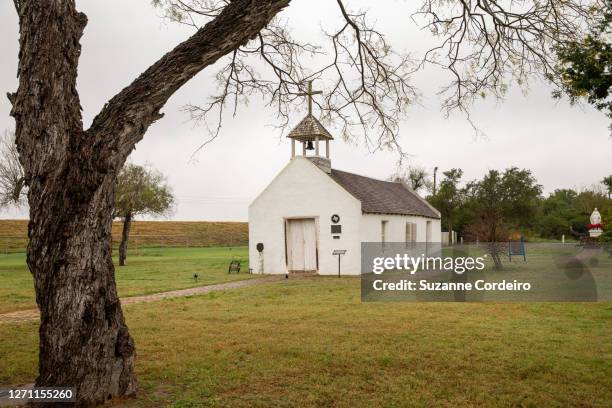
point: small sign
(339, 252)
(260, 247)
(336, 229)
(335, 218)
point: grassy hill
(13, 234)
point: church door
(301, 245)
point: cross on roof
(309, 93)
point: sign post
(339, 252)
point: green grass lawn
(312, 343)
(148, 270)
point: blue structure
(517, 248)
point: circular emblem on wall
(259, 247)
(335, 218)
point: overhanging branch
(126, 117)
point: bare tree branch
(485, 45)
(367, 84)
(278, 56)
(126, 117)
(415, 177)
(488, 44)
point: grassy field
(148, 270)
(13, 234)
(312, 343)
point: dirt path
(32, 314)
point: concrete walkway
(32, 314)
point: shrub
(606, 236)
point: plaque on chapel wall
(335, 218)
(336, 229)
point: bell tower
(310, 132)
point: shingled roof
(308, 129)
(382, 197)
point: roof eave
(424, 201)
(310, 137)
(401, 214)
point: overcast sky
(564, 146)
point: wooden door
(295, 245)
(310, 245)
(301, 245)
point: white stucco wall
(302, 190)
(370, 230)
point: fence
(10, 244)
(446, 237)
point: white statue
(595, 219)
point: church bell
(309, 145)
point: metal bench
(234, 267)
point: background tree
(585, 66)
(501, 202)
(139, 191)
(12, 180)
(567, 211)
(70, 171)
(589, 199)
(607, 181)
(449, 198)
(415, 177)
(560, 216)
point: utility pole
(434, 186)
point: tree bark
(125, 234)
(84, 341)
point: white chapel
(311, 209)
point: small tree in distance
(139, 191)
(415, 177)
(13, 190)
(607, 181)
(449, 198)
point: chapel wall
(303, 190)
(371, 228)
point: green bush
(606, 236)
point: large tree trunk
(84, 341)
(125, 235)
